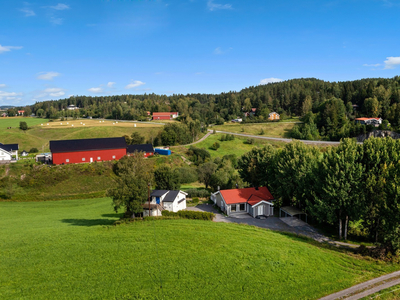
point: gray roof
(158, 193)
(171, 196)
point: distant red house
(147, 149)
(21, 112)
(87, 150)
(165, 115)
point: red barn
(147, 149)
(87, 150)
(164, 115)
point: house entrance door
(91, 159)
(261, 210)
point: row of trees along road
(351, 182)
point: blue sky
(52, 49)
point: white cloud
(215, 6)
(9, 96)
(269, 80)
(134, 84)
(56, 21)
(96, 90)
(372, 65)
(392, 62)
(48, 75)
(8, 48)
(2, 85)
(110, 84)
(55, 92)
(60, 6)
(219, 50)
(28, 12)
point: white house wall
(4, 155)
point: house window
(83, 159)
(99, 158)
(233, 207)
(113, 157)
(242, 207)
(67, 160)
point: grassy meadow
(392, 293)
(68, 250)
(39, 135)
(236, 146)
(271, 129)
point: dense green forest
(327, 108)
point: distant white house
(5, 155)
(165, 200)
(72, 107)
(9, 151)
(369, 121)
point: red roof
(164, 113)
(365, 119)
(250, 195)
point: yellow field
(96, 123)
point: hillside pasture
(14, 121)
(271, 129)
(38, 135)
(238, 146)
(69, 250)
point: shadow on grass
(115, 215)
(89, 222)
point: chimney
(256, 188)
(237, 186)
(218, 188)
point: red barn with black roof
(87, 150)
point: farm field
(271, 129)
(14, 121)
(392, 293)
(40, 135)
(236, 146)
(68, 250)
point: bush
(34, 150)
(187, 174)
(23, 126)
(192, 215)
(249, 141)
(215, 146)
(195, 200)
(220, 121)
(198, 193)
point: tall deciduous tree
(166, 179)
(338, 185)
(130, 188)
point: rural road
(367, 288)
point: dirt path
(367, 288)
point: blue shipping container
(162, 151)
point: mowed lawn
(38, 135)
(271, 129)
(69, 250)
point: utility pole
(148, 189)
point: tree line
(351, 182)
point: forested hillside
(328, 106)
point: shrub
(34, 150)
(195, 200)
(23, 126)
(215, 146)
(192, 215)
(249, 141)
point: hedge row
(193, 215)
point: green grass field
(272, 129)
(68, 250)
(14, 122)
(236, 146)
(39, 136)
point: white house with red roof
(369, 121)
(254, 201)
